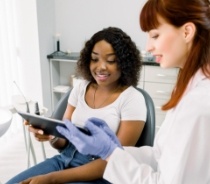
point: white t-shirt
(130, 105)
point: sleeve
(183, 153)
(76, 92)
(134, 106)
(130, 166)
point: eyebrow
(110, 54)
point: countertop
(75, 56)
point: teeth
(102, 75)
(157, 57)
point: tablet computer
(48, 125)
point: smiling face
(103, 65)
(169, 44)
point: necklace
(108, 97)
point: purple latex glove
(103, 125)
(101, 142)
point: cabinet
(159, 83)
(62, 68)
(61, 71)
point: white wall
(78, 20)
(28, 49)
(35, 27)
(46, 30)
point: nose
(149, 45)
(102, 65)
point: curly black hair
(128, 56)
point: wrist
(109, 151)
(54, 140)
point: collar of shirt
(199, 76)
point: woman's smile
(102, 76)
(158, 58)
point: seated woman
(110, 64)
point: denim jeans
(68, 158)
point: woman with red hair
(178, 36)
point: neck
(110, 92)
(107, 88)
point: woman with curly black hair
(110, 65)
(127, 56)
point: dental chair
(148, 134)
(60, 107)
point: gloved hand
(101, 142)
(103, 125)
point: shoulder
(200, 95)
(199, 91)
(132, 93)
(131, 97)
(132, 105)
(197, 101)
(80, 86)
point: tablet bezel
(48, 125)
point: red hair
(177, 13)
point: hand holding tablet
(48, 125)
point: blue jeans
(68, 158)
